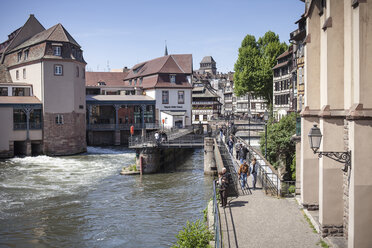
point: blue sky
(123, 33)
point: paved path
(256, 220)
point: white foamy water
(23, 180)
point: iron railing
(217, 222)
(267, 175)
(137, 126)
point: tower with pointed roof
(50, 64)
(208, 65)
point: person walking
(253, 172)
(242, 153)
(230, 144)
(223, 184)
(243, 174)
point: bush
(194, 235)
(292, 189)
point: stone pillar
(360, 191)
(209, 161)
(117, 137)
(309, 167)
(331, 179)
(117, 107)
(28, 148)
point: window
(173, 79)
(140, 81)
(3, 91)
(19, 56)
(135, 81)
(130, 82)
(17, 75)
(196, 117)
(21, 91)
(165, 97)
(204, 117)
(101, 83)
(181, 97)
(59, 119)
(83, 72)
(26, 55)
(57, 50)
(77, 71)
(58, 70)
(24, 73)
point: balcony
(23, 126)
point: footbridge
(180, 138)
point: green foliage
(205, 214)
(309, 221)
(292, 189)
(323, 244)
(253, 69)
(194, 235)
(293, 168)
(133, 167)
(279, 143)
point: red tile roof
(280, 65)
(177, 63)
(110, 78)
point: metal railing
(217, 222)
(149, 138)
(137, 126)
(267, 175)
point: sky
(115, 34)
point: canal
(82, 201)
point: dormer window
(19, 56)
(26, 55)
(101, 83)
(173, 79)
(57, 50)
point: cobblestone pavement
(256, 220)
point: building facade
(338, 99)
(166, 79)
(205, 103)
(51, 64)
(283, 90)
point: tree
(280, 147)
(253, 69)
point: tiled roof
(178, 63)
(286, 53)
(110, 78)
(56, 33)
(207, 59)
(19, 100)
(102, 98)
(4, 74)
(280, 65)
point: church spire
(166, 49)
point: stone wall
(8, 153)
(67, 138)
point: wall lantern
(315, 138)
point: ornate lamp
(315, 138)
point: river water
(82, 201)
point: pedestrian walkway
(256, 220)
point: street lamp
(266, 118)
(315, 138)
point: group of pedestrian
(160, 137)
(245, 171)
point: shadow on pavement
(238, 203)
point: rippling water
(82, 201)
